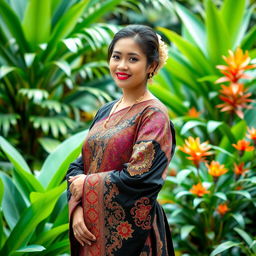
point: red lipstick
(122, 75)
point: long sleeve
(75, 168)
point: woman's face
(128, 64)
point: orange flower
(252, 133)
(235, 99)
(243, 145)
(199, 190)
(237, 64)
(193, 112)
(239, 169)
(216, 169)
(197, 151)
(222, 209)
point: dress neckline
(130, 106)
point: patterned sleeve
(119, 206)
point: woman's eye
(133, 59)
(115, 57)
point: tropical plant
(34, 212)
(50, 51)
(209, 200)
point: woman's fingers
(83, 235)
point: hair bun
(163, 53)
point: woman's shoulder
(154, 105)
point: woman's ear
(152, 67)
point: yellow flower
(237, 62)
(199, 190)
(222, 209)
(243, 145)
(196, 150)
(216, 169)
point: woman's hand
(81, 232)
(76, 187)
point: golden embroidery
(142, 158)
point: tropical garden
(53, 78)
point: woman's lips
(122, 76)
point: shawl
(125, 167)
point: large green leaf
(13, 204)
(31, 217)
(194, 26)
(98, 11)
(12, 22)
(191, 52)
(47, 237)
(232, 15)
(218, 38)
(223, 247)
(20, 165)
(65, 25)
(37, 22)
(1, 217)
(55, 166)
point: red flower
(235, 99)
(196, 150)
(125, 230)
(239, 169)
(237, 64)
(199, 190)
(222, 209)
(243, 145)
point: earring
(150, 76)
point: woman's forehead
(127, 46)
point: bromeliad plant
(33, 209)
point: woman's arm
(75, 168)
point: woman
(125, 157)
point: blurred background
(54, 77)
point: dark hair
(144, 36)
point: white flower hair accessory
(163, 53)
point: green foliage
(49, 51)
(34, 213)
(186, 82)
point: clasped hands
(76, 186)
(81, 232)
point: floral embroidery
(125, 230)
(116, 229)
(141, 213)
(142, 158)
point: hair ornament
(163, 53)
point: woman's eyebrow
(129, 53)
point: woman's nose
(122, 64)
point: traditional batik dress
(125, 166)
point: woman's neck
(130, 96)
